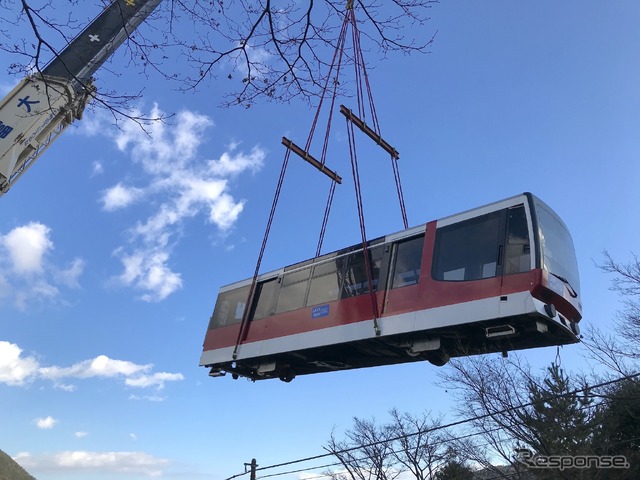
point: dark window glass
(408, 256)
(355, 276)
(293, 290)
(229, 307)
(517, 255)
(296, 277)
(325, 283)
(468, 250)
(559, 255)
(266, 292)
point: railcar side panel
(470, 283)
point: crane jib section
(89, 50)
(41, 106)
(32, 115)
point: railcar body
(493, 279)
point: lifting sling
(320, 164)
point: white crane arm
(36, 111)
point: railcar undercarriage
(435, 346)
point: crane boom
(44, 104)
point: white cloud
(84, 462)
(155, 380)
(15, 369)
(97, 168)
(101, 366)
(150, 398)
(134, 375)
(148, 271)
(81, 434)
(71, 275)
(94, 122)
(229, 164)
(119, 196)
(27, 247)
(29, 275)
(163, 148)
(259, 58)
(224, 212)
(65, 387)
(46, 423)
(179, 185)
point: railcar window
(266, 292)
(355, 276)
(229, 307)
(559, 255)
(518, 250)
(467, 250)
(408, 257)
(293, 290)
(325, 283)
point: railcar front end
(496, 278)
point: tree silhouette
(619, 350)
(276, 50)
(514, 409)
(619, 432)
(407, 444)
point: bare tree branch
(266, 49)
(620, 351)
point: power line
(441, 427)
(335, 464)
(391, 452)
(449, 440)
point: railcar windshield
(558, 253)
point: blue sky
(113, 246)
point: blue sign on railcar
(320, 311)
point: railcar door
(517, 262)
(517, 250)
(401, 292)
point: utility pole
(253, 465)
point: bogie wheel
(439, 359)
(287, 377)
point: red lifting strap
(359, 121)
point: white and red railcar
(493, 279)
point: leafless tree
(277, 50)
(418, 445)
(365, 454)
(620, 350)
(483, 386)
(511, 408)
(413, 445)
